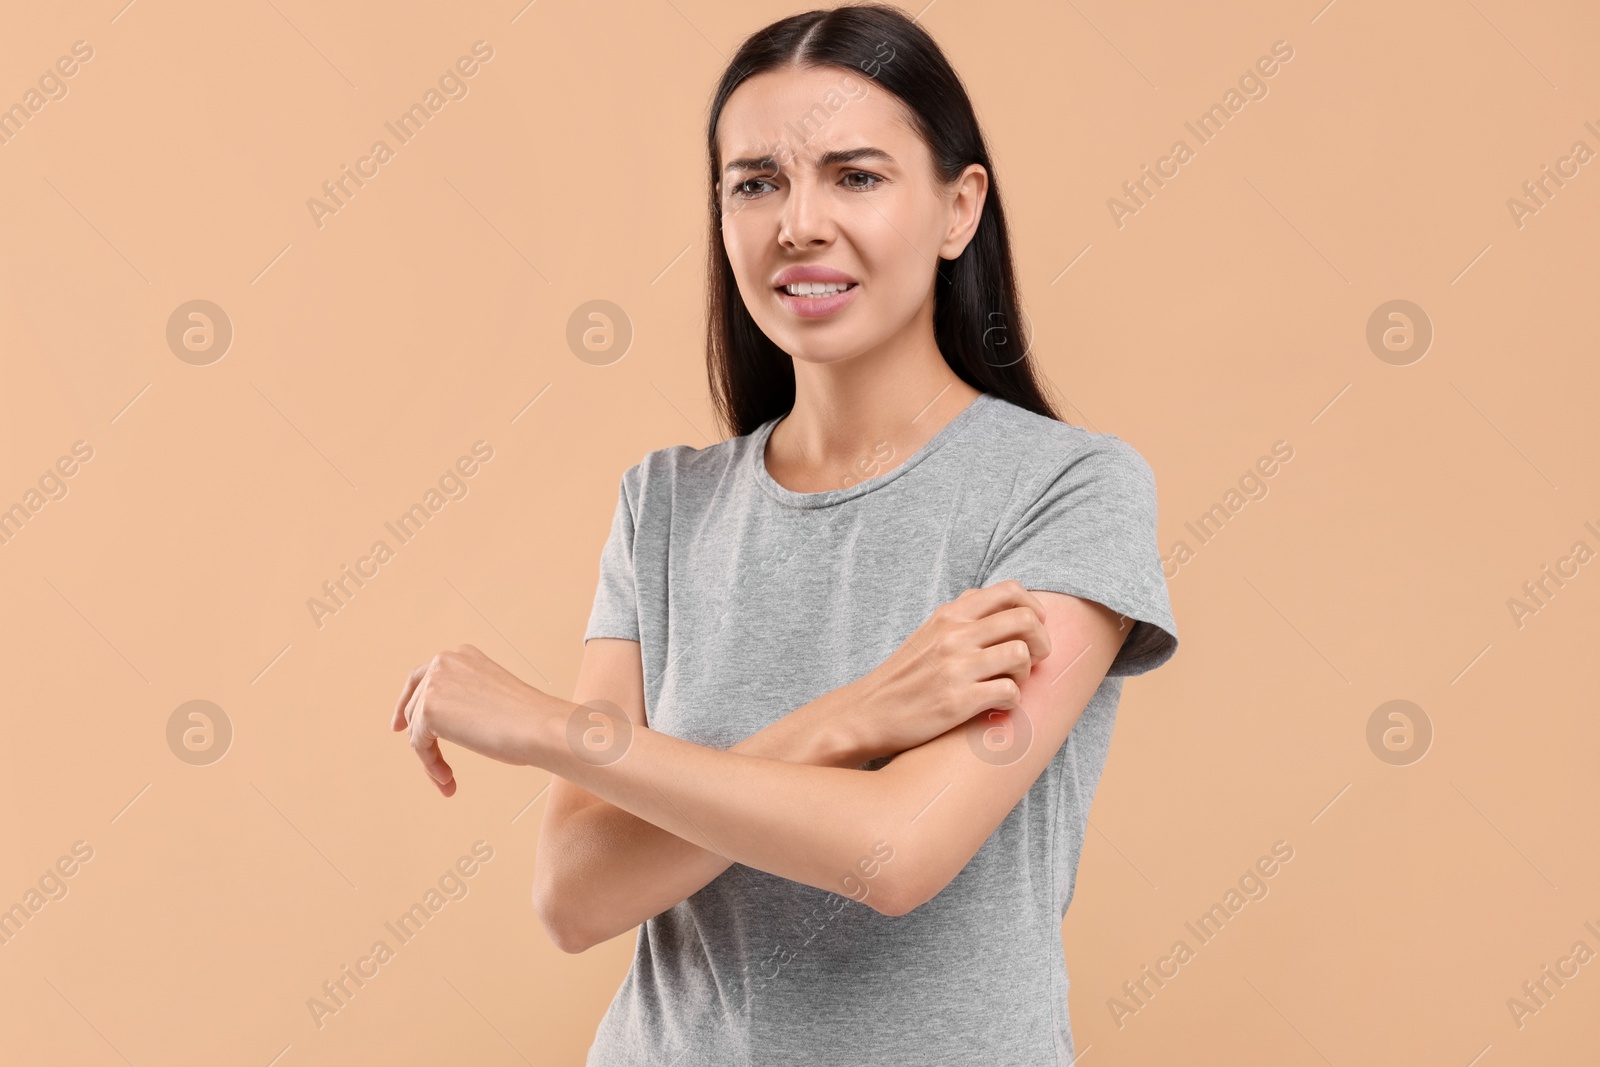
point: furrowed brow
(828, 159)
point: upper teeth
(816, 288)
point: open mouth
(815, 290)
(815, 300)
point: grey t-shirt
(750, 600)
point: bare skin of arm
(928, 811)
(602, 870)
(608, 869)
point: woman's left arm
(891, 838)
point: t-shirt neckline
(829, 497)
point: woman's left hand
(464, 697)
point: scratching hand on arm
(617, 869)
(971, 655)
(601, 870)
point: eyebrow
(828, 159)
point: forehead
(798, 115)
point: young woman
(850, 675)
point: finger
(434, 764)
(1025, 598)
(1002, 661)
(1009, 593)
(997, 693)
(400, 715)
(1014, 624)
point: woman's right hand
(972, 654)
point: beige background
(431, 312)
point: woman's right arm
(601, 871)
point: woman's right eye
(741, 191)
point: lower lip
(815, 307)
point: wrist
(837, 733)
(542, 729)
(816, 733)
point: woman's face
(820, 168)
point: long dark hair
(976, 318)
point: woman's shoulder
(682, 468)
(1045, 446)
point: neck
(859, 418)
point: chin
(811, 351)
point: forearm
(611, 870)
(810, 824)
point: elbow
(567, 941)
(900, 896)
(903, 885)
(884, 905)
(890, 884)
(563, 933)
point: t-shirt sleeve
(1090, 532)
(616, 597)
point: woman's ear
(971, 189)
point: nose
(806, 220)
